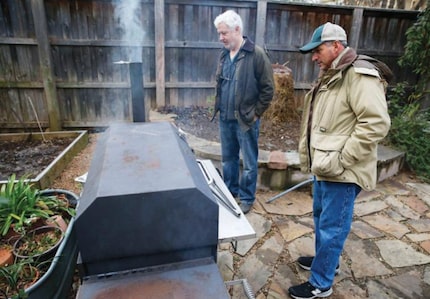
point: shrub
(410, 132)
(410, 124)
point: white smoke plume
(127, 12)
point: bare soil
(29, 157)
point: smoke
(128, 14)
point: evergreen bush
(410, 123)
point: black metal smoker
(147, 222)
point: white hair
(231, 19)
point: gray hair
(231, 19)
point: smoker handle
(216, 189)
(208, 178)
(217, 192)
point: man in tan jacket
(345, 116)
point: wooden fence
(58, 57)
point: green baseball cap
(324, 33)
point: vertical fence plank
(172, 61)
(159, 53)
(357, 20)
(261, 22)
(38, 9)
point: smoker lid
(145, 201)
(141, 158)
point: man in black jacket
(244, 90)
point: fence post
(357, 21)
(43, 45)
(261, 22)
(160, 80)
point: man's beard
(231, 46)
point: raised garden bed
(46, 155)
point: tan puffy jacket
(349, 118)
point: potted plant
(58, 271)
(39, 244)
(21, 206)
(16, 277)
(62, 203)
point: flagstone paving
(387, 254)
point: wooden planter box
(45, 178)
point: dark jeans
(233, 142)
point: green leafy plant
(410, 133)
(56, 203)
(417, 48)
(410, 128)
(398, 98)
(21, 205)
(15, 278)
(18, 205)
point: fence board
(7, 69)
(160, 53)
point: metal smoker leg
(246, 287)
(290, 189)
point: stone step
(390, 162)
(280, 170)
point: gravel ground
(79, 165)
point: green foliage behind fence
(410, 130)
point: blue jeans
(233, 141)
(333, 207)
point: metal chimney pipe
(137, 93)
